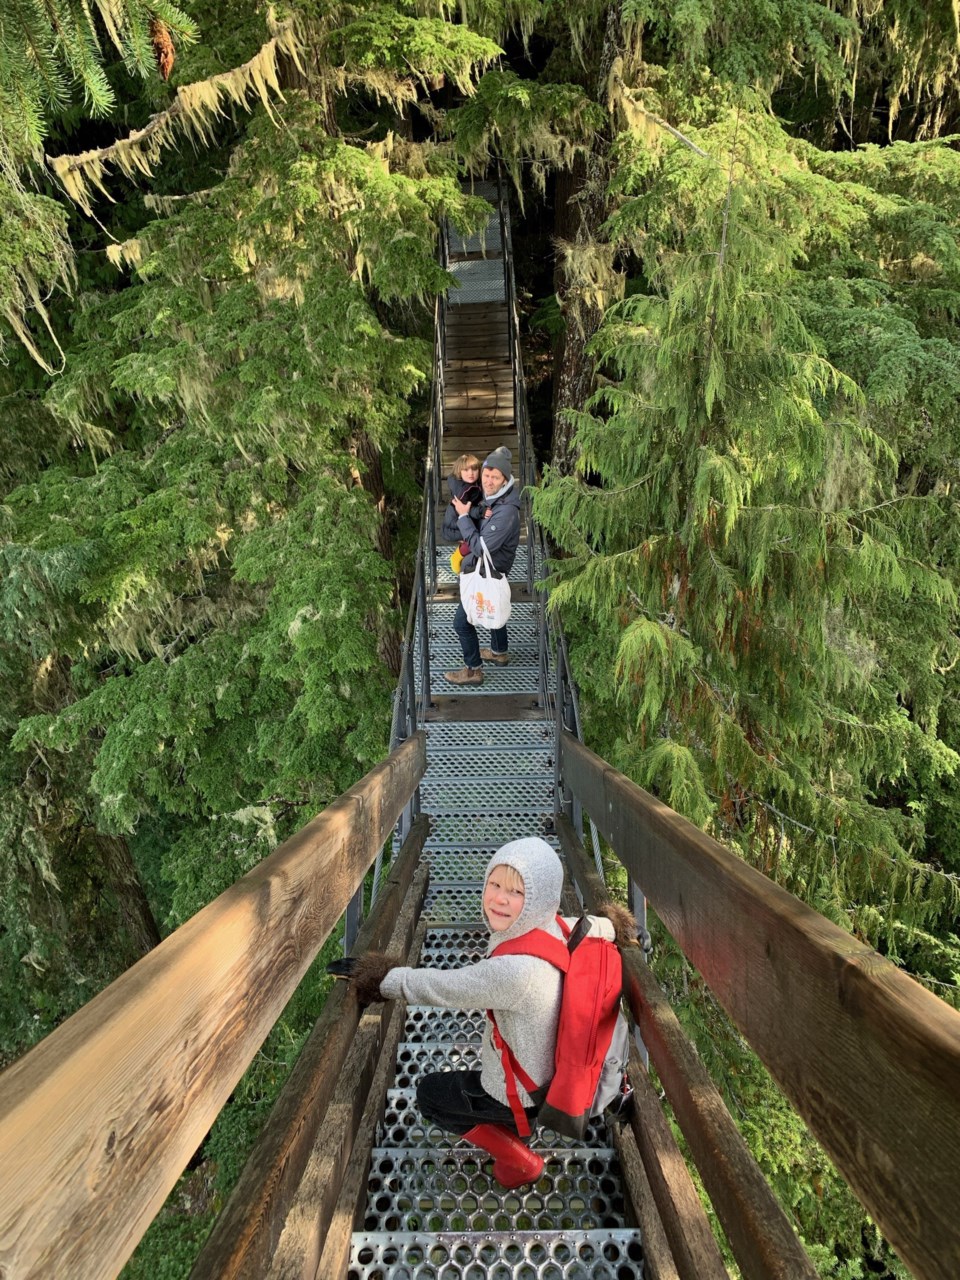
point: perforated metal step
(430, 1189)
(456, 863)
(519, 677)
(416, 1059)
(467, 793)
(517, 575)
(451, 948)
(484, 738)
(403, 1126)
(449, 903)
(513, 1255)
(455, 1026)
(489, 238)
(491, 829)
(481, 280)
(498, 762)
(523, 621)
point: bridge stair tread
(402, 1126)
(609, 1254)
(500, 765)
(454, 709)
(516, 577)
(452, 1189)
(518, 795)
(451, 860)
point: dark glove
(364, 973)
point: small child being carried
(521, 893)
(463, 483)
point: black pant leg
(456, 1101)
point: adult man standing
(499, 527)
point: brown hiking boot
(498, 659)
(466, 675)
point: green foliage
(764, 512)
(743, 526)
(35, 257)
(545, 126)
(197, 590)
(389, 41)
(53, 50)
(749, 42)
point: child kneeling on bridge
(522, 993)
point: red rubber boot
(513, 1161)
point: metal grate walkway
(433, 1211)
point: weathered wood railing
(869, 1058)
(98, 1121)
(306, 1147)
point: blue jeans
(469, 642)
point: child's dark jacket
(466, 491)
(498, 526)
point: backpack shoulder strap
(537, 943)
(544, 946)
(512, 1072)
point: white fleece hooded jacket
(523, 991)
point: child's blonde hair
(509, 876)
(465, 460)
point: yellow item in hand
(456, 560)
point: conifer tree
(197, 590)
(764, 500)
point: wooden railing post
(245, 1235)
(869, 1058)
(98, 1121)
(352, 919)
(638, 905)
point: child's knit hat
(542, 874)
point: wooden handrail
(869, 1058)
(98, 1121)
(245, 1235)
(763, 1241)
(321, 1219)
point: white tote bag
(485, 600)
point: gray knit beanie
(542, 874)
(500, 458)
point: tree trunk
(581, 211)
(123, 882)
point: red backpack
(586, 1075)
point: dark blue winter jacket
(499, 526)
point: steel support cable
(408, 707)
